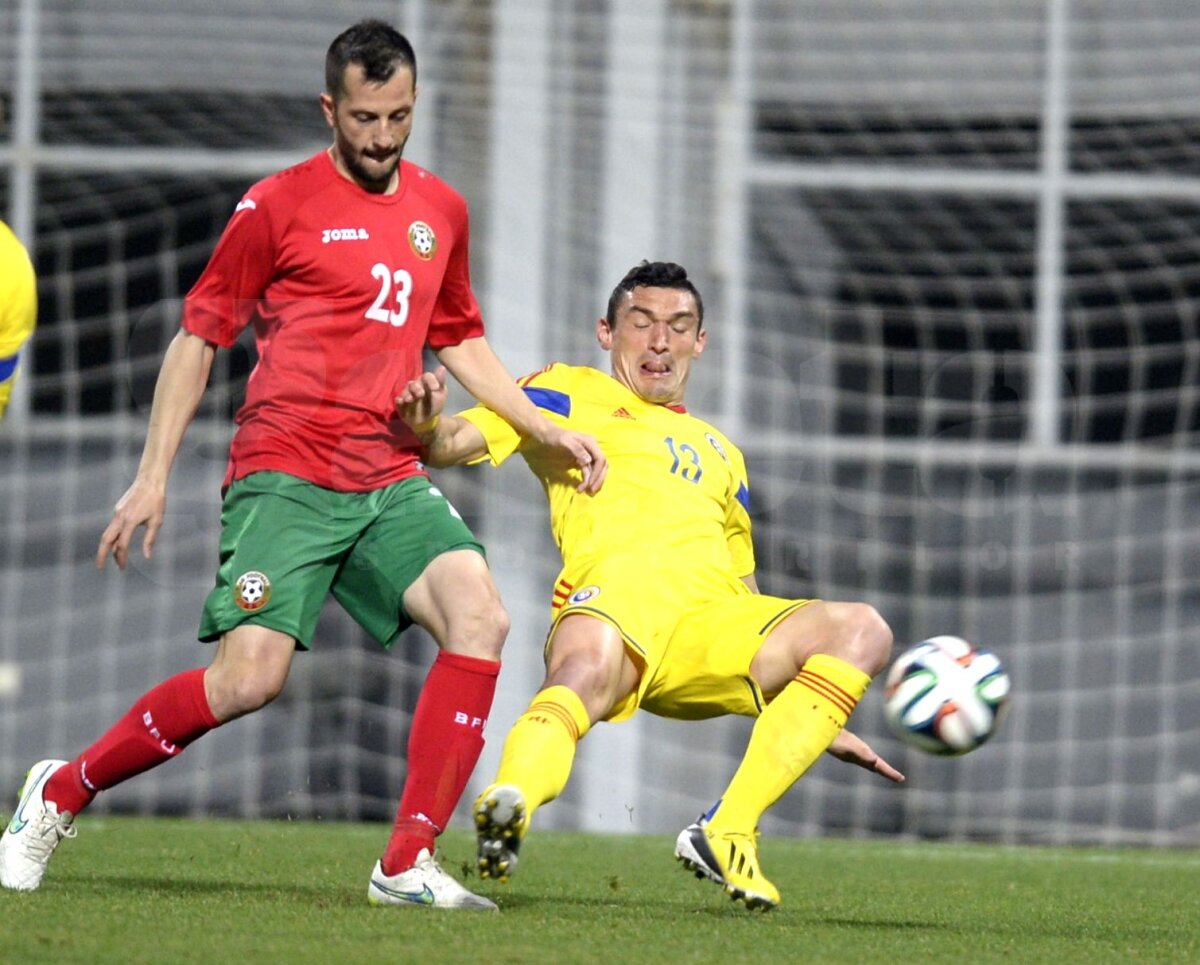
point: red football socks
(160, 724)
(444, 744)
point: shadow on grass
(185, 887)
(891, 924)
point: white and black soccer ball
(946, 696)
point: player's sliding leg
(248, 670)
(588, 673)
(795, 728)
(534, 767)
(791, 733)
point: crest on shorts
(584, 594)
(422, 240)
(252, 590)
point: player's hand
(422, 399)
(143, 504)
(854, 750)
(585, 452)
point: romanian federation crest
(422, 240)
(584, 594)
(252, 590)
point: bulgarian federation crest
(422, 240)
(252, 590)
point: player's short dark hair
(654, 274)
(377, 47)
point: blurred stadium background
(951, 255)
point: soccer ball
(945, 696)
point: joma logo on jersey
(343, 234)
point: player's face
(371, 123)
(653, 341)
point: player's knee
(235, 692)
(481, 630)
(863, 636)
(494, 630)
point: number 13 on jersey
(685, 460)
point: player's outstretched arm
(482, 374)
(854, 750)
(177, 394)
(448, 440)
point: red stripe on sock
(827, 689)
(558, 713)
(830, 692)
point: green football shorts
(287, 543)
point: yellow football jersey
(18, 307)
(675, 499)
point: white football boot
(424, 885)
(34, 832)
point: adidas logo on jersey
(343, 234)
(621, 413)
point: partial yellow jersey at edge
(18, 308)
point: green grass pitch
(133, 890)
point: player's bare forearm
(447, 440)
(452, 442)
(177, 394)
(482, 374)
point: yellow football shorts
(694, 637)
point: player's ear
(328, 108)
(604, 334)
(701, 341)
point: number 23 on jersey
(395, 293)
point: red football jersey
(344, 288)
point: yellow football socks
(540, 747)
(790, 734)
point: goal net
(951, 260)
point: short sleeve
(226, 295)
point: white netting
(952, 272)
